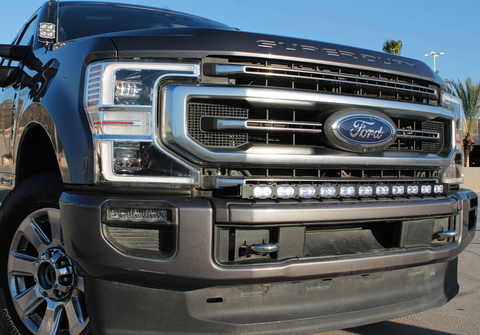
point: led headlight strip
(340, 190)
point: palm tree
(469, 94)
(392, 47)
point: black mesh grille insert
(215, 139)
(433, 147)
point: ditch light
(325, 191)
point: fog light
(136, 214)
(426, 189)
(127, 158)
(260, 191)
(412, 189)
(305, 191)
(438, 189)
(328, 191)
(365, 190)
(382, 190)
(398, 190)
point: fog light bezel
(166, 228)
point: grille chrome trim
(174, 134)
(418, 135)
(227, 69)
(256, 125)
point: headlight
(120, 100)
(454, 173)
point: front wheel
(43, 291)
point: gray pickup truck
(164, 173)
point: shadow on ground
(393, 328)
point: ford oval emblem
(360, 130)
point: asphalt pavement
(461, 316)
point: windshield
(87, 19)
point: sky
(423, 26)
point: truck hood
(190, 43)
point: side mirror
(14, 52)
(8, 75)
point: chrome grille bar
(177, 99)
(418, 135)
(232, 70)
(266, 125)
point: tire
(41, 290)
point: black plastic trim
(302, 307)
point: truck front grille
(297, 128)
(295, 75)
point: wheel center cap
(55, 274)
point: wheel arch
(36, 154)
(38, 146)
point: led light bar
(398, 190)
(261, 192)
(382, 190)
(366, 191)
(307, 191)
(426, 189)
(347, 191)
(326, 191)
(412, 189)
(438, 189)
(285, 192)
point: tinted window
(80, 20)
